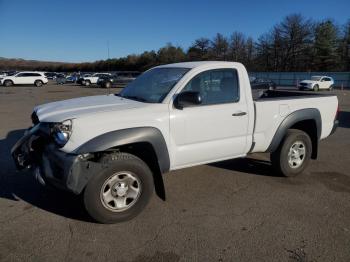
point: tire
(87, 83)
(330, 88)
(284, 160)
(316, 88)
(8, 83)
(104, 209)
(38, 83)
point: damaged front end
(26, 152)
(38, 151)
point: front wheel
(121, 191)
(316, 88)
(293, 154)
(8, 83)
(87, 83)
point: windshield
(316, 78)
(153, 85)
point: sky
(81, 31)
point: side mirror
(186, 99)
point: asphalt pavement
(236, 210)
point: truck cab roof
(199, 64)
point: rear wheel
(316, 88)
(293, 154)
(38, 83)
(330, 88)
(8, 83)
(121, 191)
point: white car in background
(25, 78)
(86, 81)
(317, 83)
(3, 74)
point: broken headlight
(61, 132)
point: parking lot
(235, 210)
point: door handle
(239, 114)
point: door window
(215, 86)
(35, 74)
(29, 74)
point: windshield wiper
(137, 98)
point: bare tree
(237, 47)
(250, 53)
(296, 36)
(199, 50)
(219, 47)
(264, 54)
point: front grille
(303, 84)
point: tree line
(294, 44)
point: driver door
(20, 79)
(214, 130)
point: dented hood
(73, 108)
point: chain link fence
(342, 79)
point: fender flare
(128, 136)
(292, 119)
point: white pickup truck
(113, 149)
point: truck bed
(280, 94)
(272, 108)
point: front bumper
(65, 171)
(305, 87)
(50, 165)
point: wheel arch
(147, 143)
(307, 120)
(8, 80)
